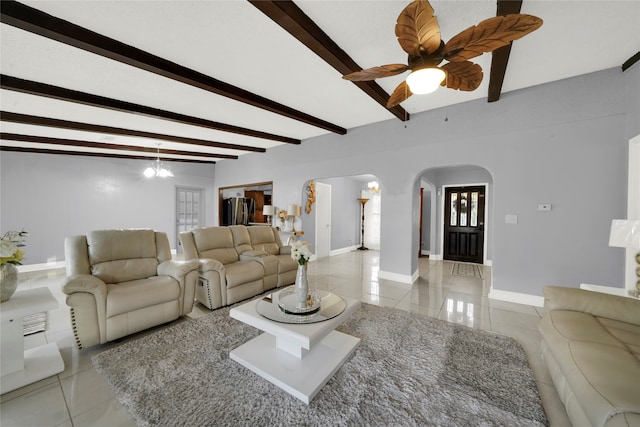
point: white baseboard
(516, 297)
(423, 252)
(343, 250)
(402, 278)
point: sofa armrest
(211, 265)
(85, 283)
(77, 287)
(212, 290)
(177, 269)
(186, 274)
(598, 304)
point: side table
(17, 366)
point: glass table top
(331, 305)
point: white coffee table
(298, 358)
(17, 366)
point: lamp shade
(267, 210)
(425, 80)
(625, 233)
(293, 210)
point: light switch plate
(511, 219)
(544, 207)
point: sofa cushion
(595, 358)
(121, 255)
(241, 272)
(138, 294)
(626, 333)
(215, 243)
(263, 238)
(241, 238)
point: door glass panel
(454, 210)
(474, 209)
(463, 209)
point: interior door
(189, 211)
(323, 220)
(464, 224)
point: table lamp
(267, 210)
(293, 211)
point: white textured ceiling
(234, 42)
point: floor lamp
(362, 247)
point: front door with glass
(464, 224)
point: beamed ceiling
(213, 80)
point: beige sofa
(591, 346)
(237, 262)
(124, 281)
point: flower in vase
(300, 252)
(282, 215)
(10, 244)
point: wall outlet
(511, 219)
(544, 207)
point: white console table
(17, 366)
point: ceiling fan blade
(376, 72)
(399, 95)
(489, 35)
(465, 76)
(417, 29)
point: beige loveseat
(591, 346)
(124, 281)
(237, 262)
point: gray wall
(563, 143)
(632, 105)
(55, 196)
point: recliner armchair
(124, 281)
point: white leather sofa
(237, 262)
(124, 281)
(591, 346)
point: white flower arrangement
(9, 247)
(300, 252)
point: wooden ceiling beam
(290, 17)
(55, 92)
(500, 57)
(105, 146)
(26, 119)
(35, 21)
(87, 154)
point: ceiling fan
(418, 33)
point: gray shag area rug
(409, 370)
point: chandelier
(157, 168)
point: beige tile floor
(79, 397)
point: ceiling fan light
(425, 80)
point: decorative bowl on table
(288, 303)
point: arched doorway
(469, 186)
